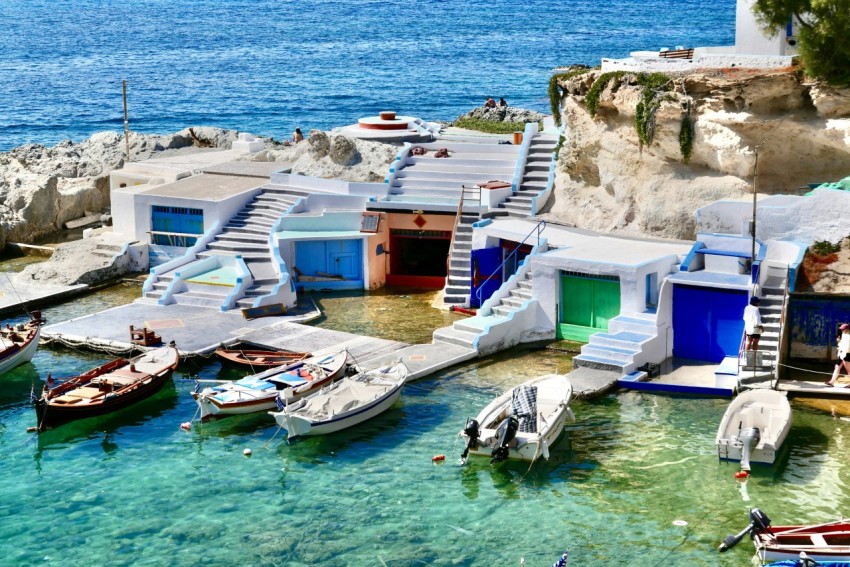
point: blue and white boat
(258, 392)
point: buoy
(741, 475)
(437, 458)
(680, 523)
(186, 425)
(247, 452)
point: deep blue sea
(267, 66)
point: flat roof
(206, 187)
(712, 279)
(262, 169)
(580, 244)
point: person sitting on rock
(297, 136)
(490, 103)
(503, 102)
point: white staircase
(621, 347)
(535, 177)
(761, 366)
(246, 235)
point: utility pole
(126, 122)
(755, 193)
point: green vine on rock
(654, 85)
(686, 136)
(591, 100)
(555, 93)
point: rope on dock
(87, 344)
(805, 369)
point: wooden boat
(19, 343)
(107, 388)
(342, 404)
(523, 422)
(259, 359)
(753, 428)
(827, 542)
(258, 392)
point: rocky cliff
(41, 187)
(608, 180)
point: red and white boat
(19, 343)
(825, 542)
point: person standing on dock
(843, 354)
(752, 323)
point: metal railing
(463, 192)
(780, 343)
(538, 228)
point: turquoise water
(133, 488)
(267, 66)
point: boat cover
(524, 407)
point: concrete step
(238, 247)
(245, 255)
(633, 324)
(454, 336)
(599, 362)
(621, 355)
(622, 339)
(456, 299)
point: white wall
(749, 37)
(821, 216)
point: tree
(824, 29)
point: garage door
(707, 322)
(587, 304)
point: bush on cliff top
(824, 26)
(489, 126)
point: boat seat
(65, 399)
(120, 381)
(86, 392)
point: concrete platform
(195, 330)
(368, 352)
(34, 295)
(589, 383)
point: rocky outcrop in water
(503, 114)
(607, 180)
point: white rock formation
(606, 182)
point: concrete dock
(16, 298)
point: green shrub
(558, 147)
(824, 248)
(555, 93)
(489, 126)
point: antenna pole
(126, 121)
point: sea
(268, 66)
(634, 481)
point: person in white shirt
(843, 354)
(752, 323)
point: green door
(587, 304)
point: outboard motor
(759, 522)
(749, 439)
(472, 432)
(504, 435)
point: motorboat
(259, 359)
(257, 393)
(107, 388)
(523, 422)
(827, 542)
(342, 404)
(754, 427)
(19, 343)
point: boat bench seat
(65, 399)
(119, 381)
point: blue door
(485, 262)
(332, 264)
(707, 322)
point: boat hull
(765, 410)
(21, 355)
(824, 542)
(526, 446)
(235, 399)
(51, 413)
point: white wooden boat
(753, 428)
(258, 392)
(523, 422)
(827, 542)
(344, 403)
(19, 343)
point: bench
(677, 54)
